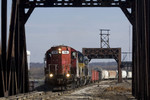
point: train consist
(100, 74)
(65, 65)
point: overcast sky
(75, 27)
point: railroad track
(84, 92)
(43, 95)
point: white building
(28, 59)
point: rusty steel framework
(105, 53)
(104, 38)
(13, 67)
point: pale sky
(75, 27)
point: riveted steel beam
(27, 15)
(141, 80)
(128, 14)
(3, 70)
(105, 53)
(78, 3)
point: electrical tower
(104, 38)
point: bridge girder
(105, 53)
(13, 67)
(78, 3)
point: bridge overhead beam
(78, 3)
(105, 53)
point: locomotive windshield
(80, 56)
(86, 60)
(55, 52)
(73, 55)
(49, 55)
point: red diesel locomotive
(65, 65)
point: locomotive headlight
(50, 75)
(68, 75)
(59, 50)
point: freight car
(65, 66)
(95, 75)
(100, 74)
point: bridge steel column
(148, 47)
(3, 65)
(14, 76)
(19, 50)
(134, 54)
(141, 50)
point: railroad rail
(48, 95)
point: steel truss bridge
(13, 61)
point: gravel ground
(104, 90)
